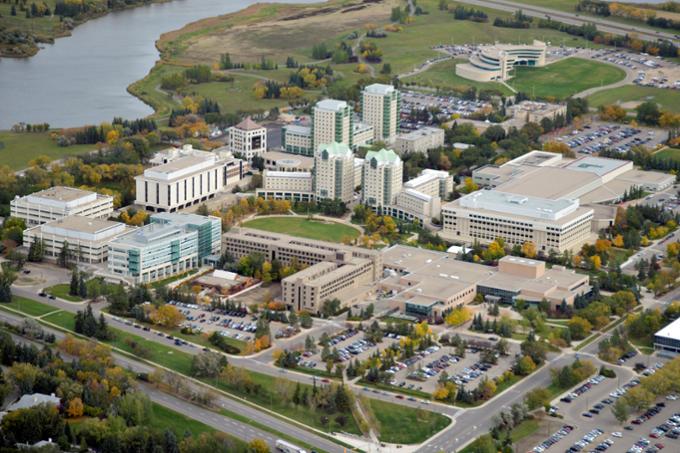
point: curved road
(574, 19)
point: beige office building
(247, 138)
(287, 185)
(498, 61)
(334, 172)
(59, 202)
(186, 177)
(335, 270)
(87, 239)
(420, 140)
(420, 198)
(380, 107)
(382, 178)
(331, 122)
(427, 283)
(278, 161)
(534, 112)
(296, 139)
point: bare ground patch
(267, 30)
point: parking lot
(651, 70)
(595, 137)
(596, 429)
(448, 105)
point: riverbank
(24, 28)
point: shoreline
(28, 50)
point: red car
(659, 446)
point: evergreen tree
(75, 283)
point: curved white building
(497, 62)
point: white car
(617, 434)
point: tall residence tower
(380, 106)
(331, 122)
(334, 172)
(382, 178)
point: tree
(74, 285)
(75, 408)
(458, 316)
(579, 327)
(621, 410)
(525, 366)
(64, 257)
(529, 249)
(648, 113)
(258, 446)
(208, 364)
(36, 251)
(167, 316)
(537, 398)
(7, 277)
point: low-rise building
(419, 140)
(362, 134)
(667, 340)
(420, 198)
(427, 283)
(296, 139)
(58, 202)
(86, 240)
(169, 245)
(247, 138)
(185, 177)
(498, 61)
(278, 161)
(287, 185)
(335, 270)
(534, 112)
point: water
(82, 79)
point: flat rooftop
(517, 204)
(597, 165)
(419, 133)
(81, 224)
(551, 183)
(379, 88)
(331, 104)
(671, 331)
(298, 129)
(178, 164)
(62, 193)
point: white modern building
(421, 197)
(498, 61)
(169, 245)
(380, 107)
(247, 138)
(58, 202)
(287, 185)
(296, 139)
(362, 134)
(667, 340)
(382, 178)
(334, 172)
(419, 140)
(331, 122)
(86, 239)
(185, 177)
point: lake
(82, 79)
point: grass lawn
(400, 425)
(443, 76)
(564, 78)
(16, 149)
(63, 319)
(61, 291)
(669, 153)
(164, 418)
(525, 429)
(28, 306)
(667, 99)
(173, 278)
(303, 227)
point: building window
(146, 191)
(158, 191)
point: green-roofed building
(382, 178)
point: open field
(28, 306)
(669, 153)
(164, 418)
(16, 149)
(301, 226)
(443, 76)
(667, 99)
(62, 291)
(62, 319)
(564, 78)
(406, 427)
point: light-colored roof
(331, 104)
(379, 88)
(422, 132)
(384, 156)
(62, 193)
(287, 174)
(298, 129)
(597, 165)
(671, 331)
(81, 224)
(34, 399)
(552, 183)
(248, 125)
(425, 177)
(419, 195)
(519, 205)
(181, 218)
(336, 149)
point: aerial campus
(357, 225)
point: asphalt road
(222, 423)
(603, 25)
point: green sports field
(564, 78)
(667, 99)
(303, 227)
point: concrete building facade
(86, 239)
(334, 172)
(58, 202)
(382, 178)
(381, 107)
(419, 141)
(498, 61)
(331, 122)
(247, 138)
(296, 139)
(186, 177)
(287, 185)
(169, 245)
